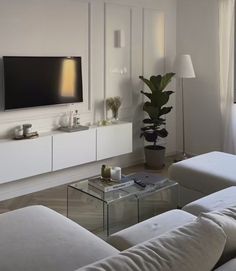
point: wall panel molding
(118, 61)
(154, 46)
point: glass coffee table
(139, 197)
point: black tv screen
(39, 81)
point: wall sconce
(119, 38)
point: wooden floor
(56, 198)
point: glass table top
(134, 190)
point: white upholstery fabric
(187, 195)
(229, 266)
(206, 173)
(195, 246)
(150, 228)
(227, 220)
(39, 239)
(216, 201)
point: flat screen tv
(39, 81)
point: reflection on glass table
(132, 200)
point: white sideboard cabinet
(72, 149)
(59, 150)
(25, 158)
(114, 140)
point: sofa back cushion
(198, 244)
(226, 218)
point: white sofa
(37, 238)
(216, 201)
(203, 174)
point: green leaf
(162, 133)
(147, 121)
(159, 99)
(159, 122)
(165, 110)
(148, 83)
(148, 95)
(151, 136)
(169, 92)
(146, 128)
(156, 80)
(156, 99)
(166, 79)
(164, 98)
(152, 111)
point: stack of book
(110, 185)
(141, 178)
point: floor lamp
(184, 69)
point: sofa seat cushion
(206, 173)
(149, 228)
(37, 238)
(216, 201)
(194, 246)
(229, 266)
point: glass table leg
(108, 226)
(138, 209)
(67, 202)
(103, 215)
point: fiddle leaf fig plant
(156, 107)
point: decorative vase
(115, 114)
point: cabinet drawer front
(72, 149)
(26, 158)
(114, 140)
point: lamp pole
(185, 69)
(183, 120)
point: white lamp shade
(184, 67)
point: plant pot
(155, 156)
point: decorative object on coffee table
(111, 173)
(114, 104)
(154, 124)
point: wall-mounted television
(31, 81)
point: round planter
(155, 156)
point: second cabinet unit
(72, 149)
(114, 140)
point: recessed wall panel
(118, 53)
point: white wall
(86, 28)
(197, 35)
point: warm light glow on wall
(68, 78)
(160, 35)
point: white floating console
(72, 149)
(114, 140)
(25, 158)
(59, 150)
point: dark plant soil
(156, 148)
